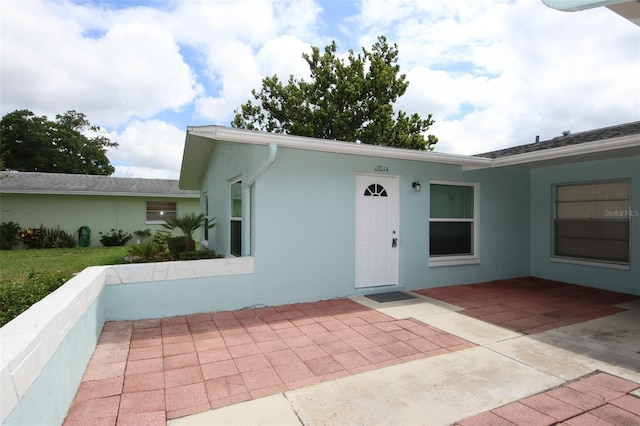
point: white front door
(377, 238)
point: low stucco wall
(49, 346)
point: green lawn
(27, 276)
(17, 265)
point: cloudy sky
(494, 73)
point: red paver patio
(530, 305)
(145, 372)
(598, 399)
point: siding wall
(99, 213)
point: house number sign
(381, 168)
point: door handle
(394, 242)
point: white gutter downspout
(246, 198)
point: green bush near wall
(9, 233)
(115, 238)
(16, 297)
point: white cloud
(49, 66)
(497, 74)
(240, 70)
(494, 73)
(283, 56)
(152, 146)
(241, 48)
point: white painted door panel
(377, 213)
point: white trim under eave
(335, 147)
(631, 141)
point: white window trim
(230, 211)
(576, 261)
(205, 196)
(473, 259)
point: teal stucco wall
(51, 395)
(542, 181)
(303, 221)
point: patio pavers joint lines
(212, 360)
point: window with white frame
(235, 225)
(159, 211)
(452, 221)
(592, 221)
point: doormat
(391, 296)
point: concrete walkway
(421, 361)
(462, 387)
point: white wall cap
(9, 397)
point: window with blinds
(160, 211)
(592, 221)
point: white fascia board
(106, 194)
(631, 141)
(576, 5)
(336, 147)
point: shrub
(146, 251)
(188, 224)
(57, 238)
(32, 237)
(47, 238)
(8, 235)
(161, 237)
(195, 255)
(115, 238)
(16, 298)
(179, 245)
(142, 234)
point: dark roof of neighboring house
(620, 130)
(59, 183)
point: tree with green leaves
(350, 100)
(70, 144)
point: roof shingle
(604, 133)
(30, 182)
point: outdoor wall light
(416, 185)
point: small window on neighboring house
(452, 222)
(592, 221)
(158, 212)
(235, 225)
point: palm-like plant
(147, 251)
(187, 223)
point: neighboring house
(100, 202)
(326, 219)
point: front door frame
(371, 268)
